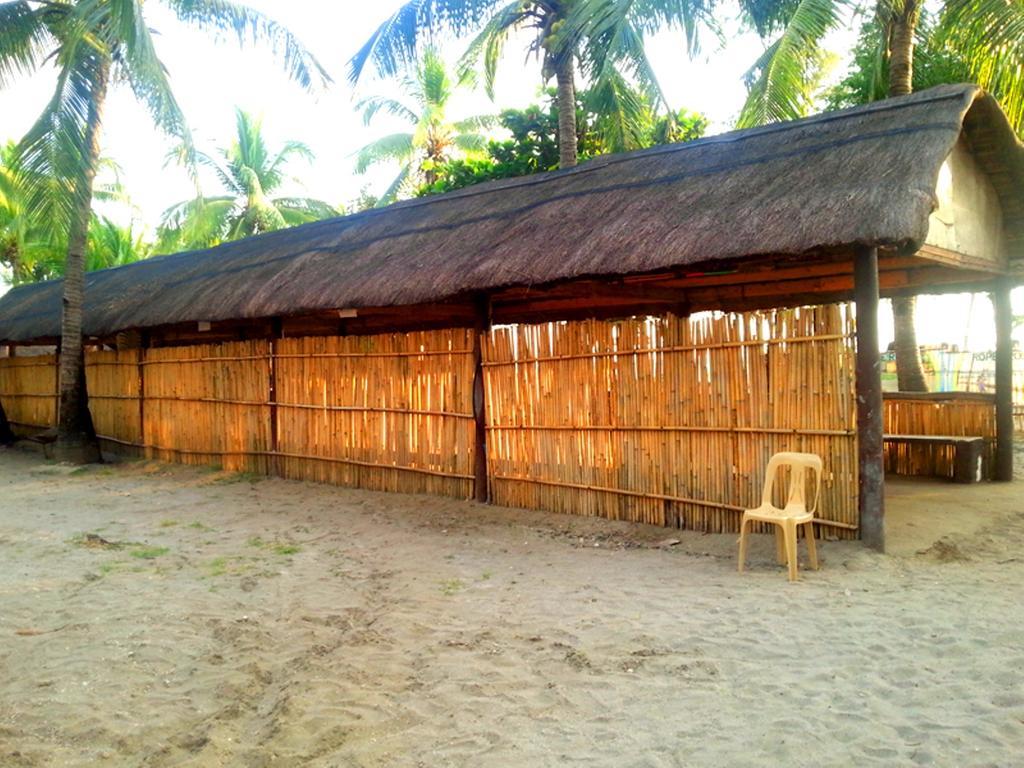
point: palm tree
(433, 138)
(94, 44)
(604, 36)
(249, 171)
(114, 245)
(987, 35)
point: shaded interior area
(923, 513)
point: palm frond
(394, 44)
(397, 146)
(781, 79)
(23, 39)
(229, 19)
(391, 193)
(989, 35)
(371, 105)
(53, 155)
(488, 46)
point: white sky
(210, 79)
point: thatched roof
(861, 176)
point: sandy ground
(220, 620)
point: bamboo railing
(953, 414)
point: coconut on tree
(94, 45)
(250, 173)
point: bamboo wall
(112, 380)
(28, 392)
(668, 421)
(671, 421)
(389, 412)
(208, 404)
(949, 414)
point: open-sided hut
(376, 349)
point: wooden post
(141, 373)
(56, 382)
(481, 326)
(870, 470)
(276, 331)
(1004, 381)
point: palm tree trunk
(909, 369)
(76, 437)
(565, 76)
(901, 49)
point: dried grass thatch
(860, 176)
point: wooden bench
(968, 453)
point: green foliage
(533, 147)
(867, 78)
(604, 38)
(149, 553)
(32, 249)
(434, 139)
(95, 43)
(248, 171)
(988, 36)
(958, 40)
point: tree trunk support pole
(1004, 381)
(870, 470)
(481, 326)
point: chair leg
(780, 545)
(812, 547)
(790, 536)
(743, 544)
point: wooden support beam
(481, 326)
(141, 365)
(1004, 380)
(276, 333)
(870, 470)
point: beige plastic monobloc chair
(793, 514)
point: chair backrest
(799, 464)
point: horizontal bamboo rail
(662, 350)
(268, 404)
(673, 428)
(271, 454)
(655, 496)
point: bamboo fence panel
(387, 412)
(28, 392)
(952, 415)
(112, 381)
(668, 420)
(208, 404)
